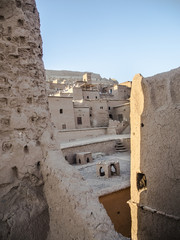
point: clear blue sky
(116, 38)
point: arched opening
(101, 172)
(80, 161)
(87, 160)
(113, 169)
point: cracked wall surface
(23, 119)
(155, 152)
(41, 196)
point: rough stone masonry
(41, 196)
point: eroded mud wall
(155, 151)
(23, 118)
(41, 196)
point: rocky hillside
(66, 76)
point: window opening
(110, 116)
(141, 181)
(79, 120)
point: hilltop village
(85, 100)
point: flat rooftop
(103, 138)
(102, 185)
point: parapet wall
(41, 196)
(75, 134)
(75, 212)
(155, 151)
(107, 147)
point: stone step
(123, 150)
(119, 146)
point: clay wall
(118, 210)
(77, 93)
(74, 209)
(124, 111)
(124, 92)
(155, 151)
(24, 117)
(81, 113)
(99, 116)
(41, 195)
(87, 78)
(62, 112)
(120, 92)
(75, 134)
(107, 147)
(90, 94)
(113, 103)
(127, 143)
(127, 84)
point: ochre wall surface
(118, 210)
(83, 113)
(41, 195)
(121, 92)
(113, 103)
(67, 115)
(107, 147)
(90, 94)
(124, 110)
(99, 113)
(77, 134)
(155, 151)
(77, 93)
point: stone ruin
(41, 195)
